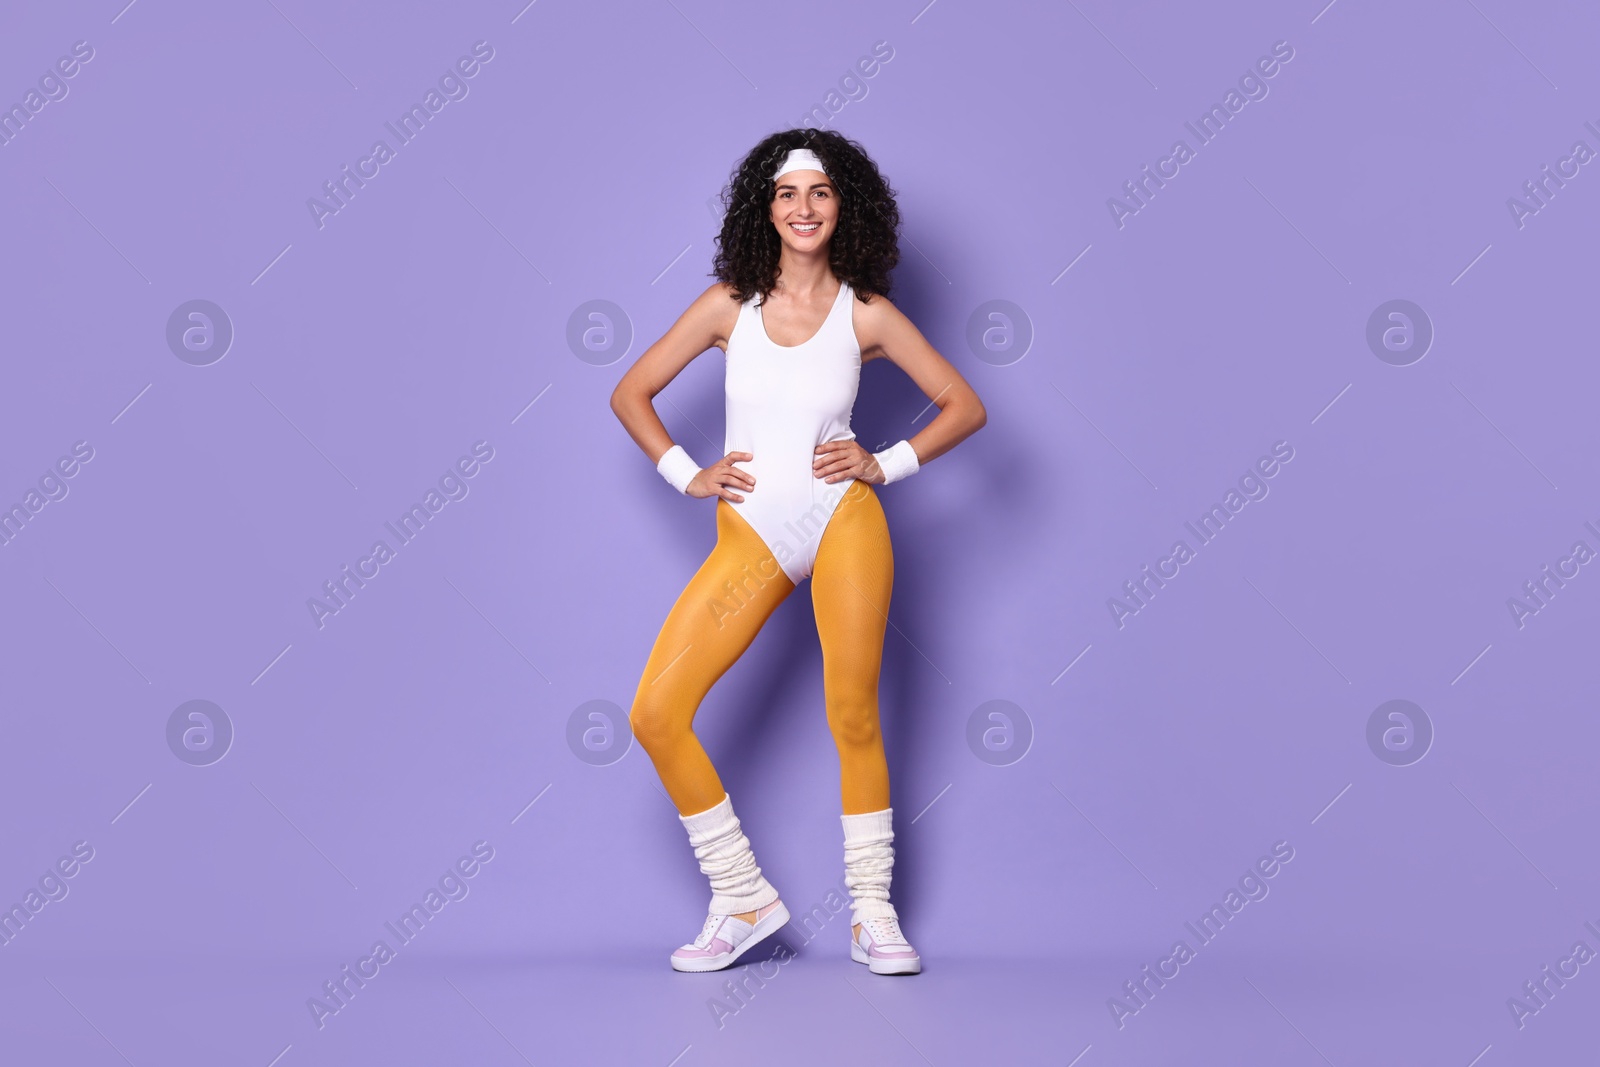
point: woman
(808, 239)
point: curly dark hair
(865, 246)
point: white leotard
(783, 402)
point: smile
(804, 228)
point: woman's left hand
(836, 460)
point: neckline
(762, 320)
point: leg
(714, 620)
(850, 588)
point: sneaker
(725, 938)
(884, 949)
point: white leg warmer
(868, 863)
(737, 884)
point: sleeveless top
(783, 401)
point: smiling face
(805, 210)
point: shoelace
(886, 931)
(704, 939)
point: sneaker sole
(764, 928)
(910, 966)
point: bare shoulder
(716, 311)
(876, 321)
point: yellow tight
(719, 614)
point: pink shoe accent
(718, 947)
(724, 938)
(884, 949)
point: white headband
(800, 159)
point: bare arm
(885, 333)
(705, 324)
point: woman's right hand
(721, 477)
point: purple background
(1228, 314)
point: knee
(655, 725)
(854, 721)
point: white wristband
(898, 461)
(677, 468)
